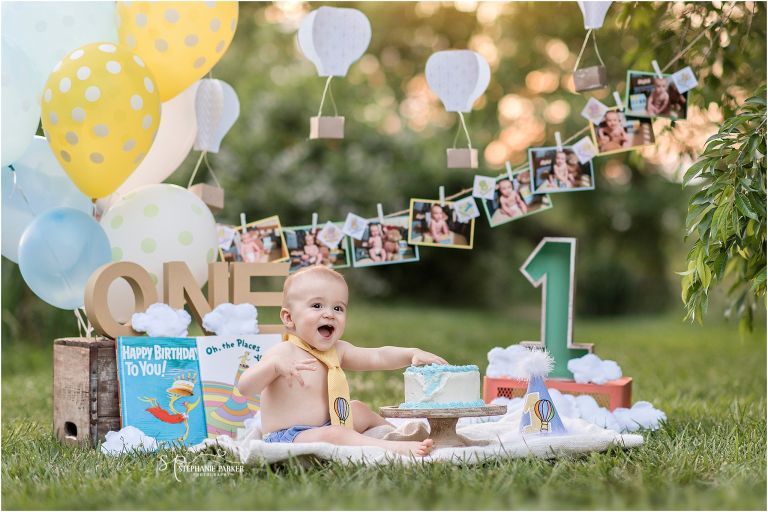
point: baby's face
(612, 120)
(505, 187)
(660, 83)
(375, 230)
(309, 240)
(437, 212)
(560, 158)
(317, 306)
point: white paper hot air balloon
(594, 13)
(333, 38)
(458, 77)
(217, 107)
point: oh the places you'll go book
(160, 389)
(223, 359)
(182, 390)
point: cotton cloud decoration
(591, 368)
(161, 320)
(230, 319)
(127, 440)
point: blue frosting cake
(442, 387)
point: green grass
(710, 455)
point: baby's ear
(286, 318)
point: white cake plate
(442, 422)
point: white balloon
(172, 144)
(49, 30)
(333, 38)
(217, 109)
(594, 13)
(458, 77)
(21, 104)
(153, 225)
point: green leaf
(745, 209)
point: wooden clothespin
(509, 170)
(442, 195)
(558, 141)
(314, 221)
(380, 211)
(657, 69)
(617, 99)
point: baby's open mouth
(326, 330)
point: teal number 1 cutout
(552, 264)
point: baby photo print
(651, 95)
(384, 244)
(619, 132)
(439, 225)
(261, 242)
(554, 170)
(514, 199)
(306, 249)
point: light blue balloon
(47, 31)
(21, 102)
(58, 252)
(41, 184)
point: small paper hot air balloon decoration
(592, 77)
(332, 38)
(459, 77)
(539, 412)
(341, 408)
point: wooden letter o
(96, 306)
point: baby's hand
(290, 369)
(421, 357)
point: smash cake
(440, 386)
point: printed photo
(438, 226)
(622, 132)
(262, 242)
(559, 171)
(384, 244)
(305, 249)
(514, 199)
(649, 95)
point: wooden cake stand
(442, 422)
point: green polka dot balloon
(153, 225)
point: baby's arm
(383, 358)
(274, 365)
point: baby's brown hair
(303, 272)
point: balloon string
(197, 166)
(521, 167)
(466, 132)
(581, 52)
(210, 169)
(88, 325)
(325, 93)
(81, 327)
(594, 40)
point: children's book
(160, 389)
(223, 360)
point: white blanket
(506, 442)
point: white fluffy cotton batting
(128, 439)
(230, 320)
(161, 320)
(591, 368)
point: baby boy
(304, 394)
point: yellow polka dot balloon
(100, 110)
(180, 41)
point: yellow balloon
(101, 111)
(180, 41)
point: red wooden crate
(612, 394)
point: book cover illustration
(223, 360)
(160, 389)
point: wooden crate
(612, 394)
(85, 391)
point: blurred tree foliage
(397, 132)
(727, 216)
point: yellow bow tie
(338, 389)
